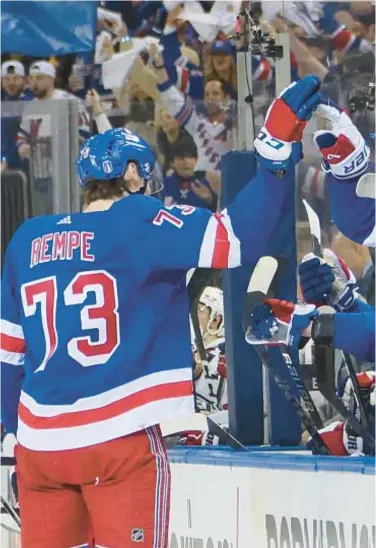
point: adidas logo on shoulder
(65, 221)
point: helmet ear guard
(153, 179)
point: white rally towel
(113, 17)
(304, 14)
(117, 70)
(171, 4)
(222, 17)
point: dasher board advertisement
(263, 499)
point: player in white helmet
(211, 376)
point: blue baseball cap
(221, 47)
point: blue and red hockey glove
(344, 151)
(328, 280)
(279, 322)
(279, 140)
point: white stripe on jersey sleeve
(11, 329)
(12, 358)
(208, 244)
(234, 258)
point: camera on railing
(252, 38)
(363, 101)
(263, 43)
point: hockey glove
(279, 322)
(344, 151)
(278, 142)
(367, 385)
(328, 280)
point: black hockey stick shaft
(253, 299)
(196, 285)
(224, 437)
(194, 289)
(315, 228)
(324, 358)
(11, 511)
(284, 386)
(356, 388)
(265, 279)
(295, 372)
(7, 461)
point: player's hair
(103, 190)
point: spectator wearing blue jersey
(186, 186)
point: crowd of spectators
(173, 80)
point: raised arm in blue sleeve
(184, 237)
(354, 216)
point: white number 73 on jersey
(102, 315)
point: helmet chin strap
(141, 191)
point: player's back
(106, 337)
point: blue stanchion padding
(284, 423)
(244, 368)
(245, 392)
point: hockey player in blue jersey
(351, 180)
(327, 281)
(346, 160)
(95, 341)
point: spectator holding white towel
(211, 129)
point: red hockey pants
(118, 492)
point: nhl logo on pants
(137, 535)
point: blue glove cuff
(294, 158)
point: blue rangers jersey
(354, 216)
(95, 325)
(355, 331)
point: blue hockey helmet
(106, 156)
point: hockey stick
(8, 461)
(194, 286)
(265, 277)
(356, 388)
(194, 291)
(11, 511)
(199, 421)
(264, 281)
(301, 411)
(225, 438)
(324, 361)
(315, 228)
(295, 372)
